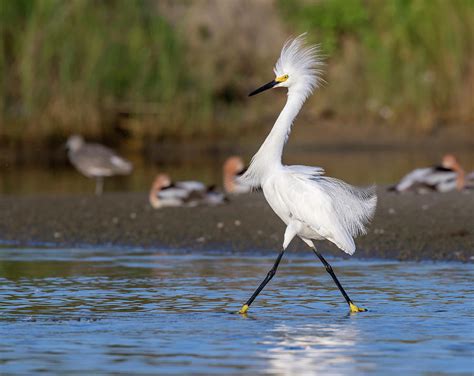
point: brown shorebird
(165, 193)
(232, 169)
(448, 176)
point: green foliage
(331, 18)
(412, 55)
(73, 65)
(73, 59)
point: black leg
(328, 267)
(267, 279)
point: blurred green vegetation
(411, 59)
(182, 68)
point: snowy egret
(233, 168)
(313, 206)
(443, 178)
(165, 193)
(96, 161)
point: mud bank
(406, 227)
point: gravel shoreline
(406, 227)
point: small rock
(237, 222)
(391, 211)
(133, 215)
(220, 225)
(201, 239)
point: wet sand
(406, 227)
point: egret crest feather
(302, 64)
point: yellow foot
(244, 309)
(354, 308)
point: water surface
(91, 311)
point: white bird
(232, 169)
(96, 161)
(313, 206)
(446, 177)
(165, 193)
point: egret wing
(332, 208)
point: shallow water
(92, 311)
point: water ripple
(108, 311)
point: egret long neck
(272, 149)
(269, 155)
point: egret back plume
(354, 206)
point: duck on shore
(166, 193)
(96, 161)
(448, 176)
(232, 169)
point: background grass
(168, 69)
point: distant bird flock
(97, 162)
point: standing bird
(313, 206)
(232, 169)
(96, 161)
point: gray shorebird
(96, 161)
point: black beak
(264, 87)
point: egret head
(298, 68)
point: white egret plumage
(313, 206)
